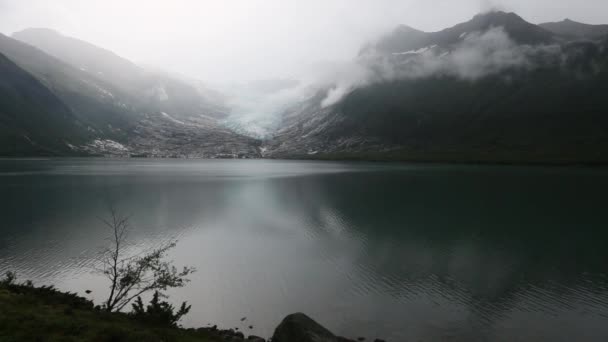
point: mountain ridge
(94, 102)
(493, 89)
(405, 38)
(540, 102)
(156, 89)
(573, 30)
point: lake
(403, 252)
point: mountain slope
(576, 31)
(405, 38)
(32, 119)
(157, 90)
(129, 114)
(541, 102)
(103, 110)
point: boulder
(300, 328)
(253, 338)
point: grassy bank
(29, 313)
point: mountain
(493, 89)
(405, 38)
(573, 30)
(124, 109)
(158, 90)
(32, 119)
(103, 110)
(512, 93)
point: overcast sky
(226, 40)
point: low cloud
(478, 55)
(486, 6)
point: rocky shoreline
(294, 328)
(44, 313)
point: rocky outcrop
(253, 338)
(300, 328)
(294, 328)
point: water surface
(397, 251)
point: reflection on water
(401, 252)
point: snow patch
(104, 93)
(170, 118)
(415, 52)
(107, 144)
(263, 151)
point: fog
(478, 54)
(298, 46)
(238, 40)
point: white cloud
(478, 55)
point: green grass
(44, 314)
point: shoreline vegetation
(44, 313)
(30, 313)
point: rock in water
(301, 328)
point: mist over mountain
(255, 106)
(101, 108)
(495, 88)
(125, 109)
(156, 89)
(405, 38)
(402, 170)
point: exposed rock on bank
(45, 314)
(300, 328)
(294, 328)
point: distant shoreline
(322, 158)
